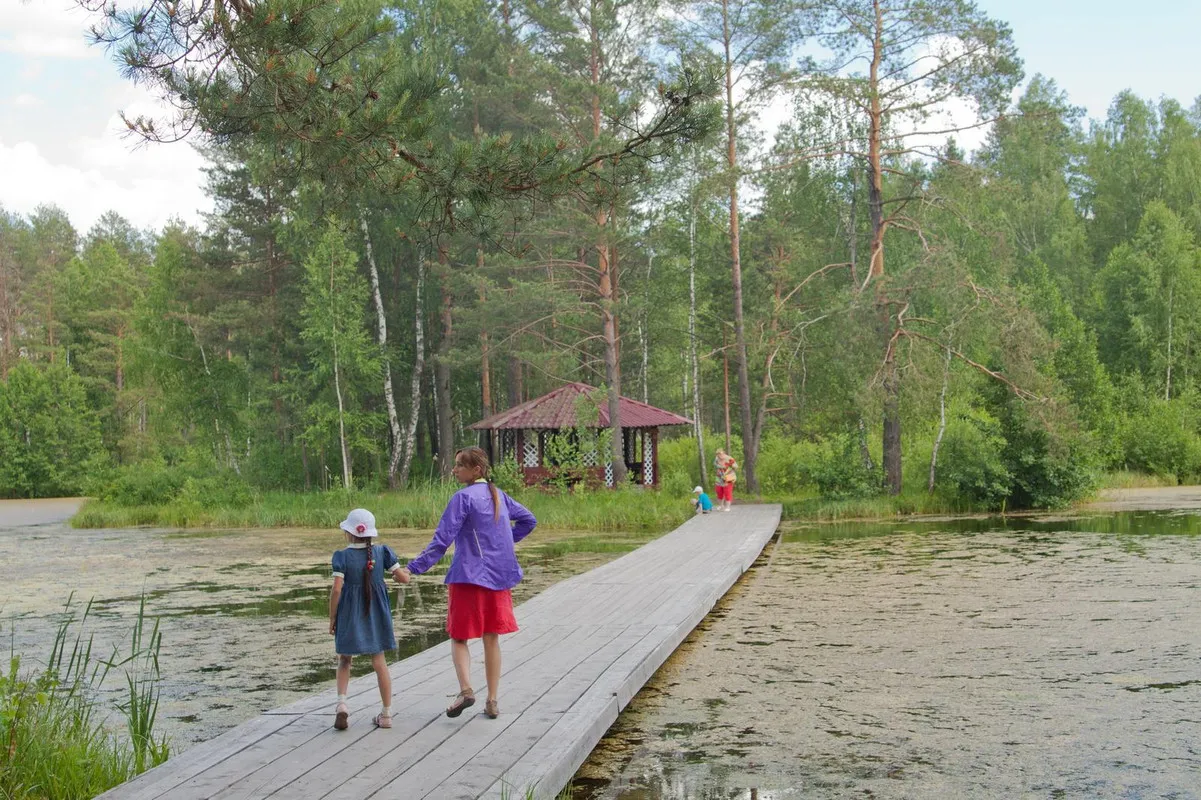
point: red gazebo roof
(557, 410)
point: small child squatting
(701, 502)
(360, 615)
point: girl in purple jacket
(483, 523)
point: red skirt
(475, 610)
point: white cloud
(46, 28)
(147, 185)
(27, 99)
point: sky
(61, 136)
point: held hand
(333, 628)
(403, 575)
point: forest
(760, 215)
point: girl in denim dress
(360, 616)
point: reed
(57, 743)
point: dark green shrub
(971, 461)
(144, 484)
(1161, 439)
(839, 471)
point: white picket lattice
(529, 457)
(648, 460)
(609, 474)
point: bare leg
(380, 665)
(343, 674)
(341, 713)
(462, 658)
(492, 663)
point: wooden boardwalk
(586, 646)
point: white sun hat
(698, 490)
(360, 522)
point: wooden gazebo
(522, 433)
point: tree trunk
(382, 330)
(875, 196)
(942, 418)
(865, 454)
(698, 429)
(347, 483)
(446, 432)
(1167, 389)
(605, 277)
(725, 366)
(418, 368)
(892, 428)
(744, 382)
(485, 360)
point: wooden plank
(159, 781)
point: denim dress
(364, 626)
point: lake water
(1052, 657)
(960, 658)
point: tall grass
(56, 743)
(419, 507)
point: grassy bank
(421, 507)
(630, 510)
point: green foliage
(197, 482)
(971, 461)
(508, 476)
(839, 471)
(1050, 465)
(1161, 438)
(49, 436)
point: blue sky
(60, 137)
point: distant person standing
(483, 523)
(724, 466)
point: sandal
(382, 720)
(491, 709)
(464, 699)
(341, 718)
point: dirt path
(1161, 498)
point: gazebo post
(655, 454)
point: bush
(144, 484)
(1051, 464)
(223, 490)
(786, 465)
(971, 462)
(1161, 439)
(507, 475)
(200, 484)
(839, 471)
(677, 484)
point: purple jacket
(484, 552)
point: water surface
(1051, 657)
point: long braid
(367, 579)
